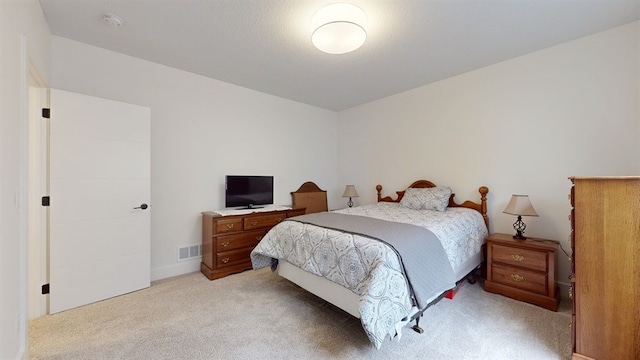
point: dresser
(523, 269)
(605, 240)
(227, 241)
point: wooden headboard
(480, 207)
(310, 196)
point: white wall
(24, 37)
(522, 126)
(202, 129)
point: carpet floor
(258, 315)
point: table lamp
(350, 191)
(520, 206)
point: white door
(99, 181)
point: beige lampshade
(350, 191)
(521, 206)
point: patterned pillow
(435, 198)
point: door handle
(143, 207)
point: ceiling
(265, 44)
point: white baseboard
(181, 268)
(564, 290)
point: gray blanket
(426, 266)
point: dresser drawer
(257, 222)
(519, 278)
(224, 225)
(236, 241)
(234, 257)
(530, 259)
(296, 212)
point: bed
(380, 262)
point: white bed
(363, 276)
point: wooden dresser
(523, 269)
(605, 240)
(228, 240)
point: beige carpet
(258, 315)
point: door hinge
(46, 113)
(45, 289)
(46, 201)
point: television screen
(248, 191)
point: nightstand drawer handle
(517, 257)
(516, 277)
(259, 237)
(279, 219)
(225, 244)
(226, 260)
(254, 223)
(230, 226)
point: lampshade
(339, 28)
(350, 191)
(520, 205)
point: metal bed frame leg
(471, 278)
(416, 327)
(419, 314)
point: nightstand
(523, 269)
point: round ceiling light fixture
(339, 28)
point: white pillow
(435, 198)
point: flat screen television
(247, 191)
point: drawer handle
(259, 237)
(254, 223)
(225, 260)
(517, 257)
(225, 244)
(230, 226)
(279, 219)
(516, 277)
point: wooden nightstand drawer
(530, 259)
(257, 222)
(226, 225)
(236, 241)
(519, 278)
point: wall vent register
(189, 252)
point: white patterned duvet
(367, 267)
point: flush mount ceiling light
(113, 20)
(339, 28)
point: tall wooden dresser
(605, 240)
